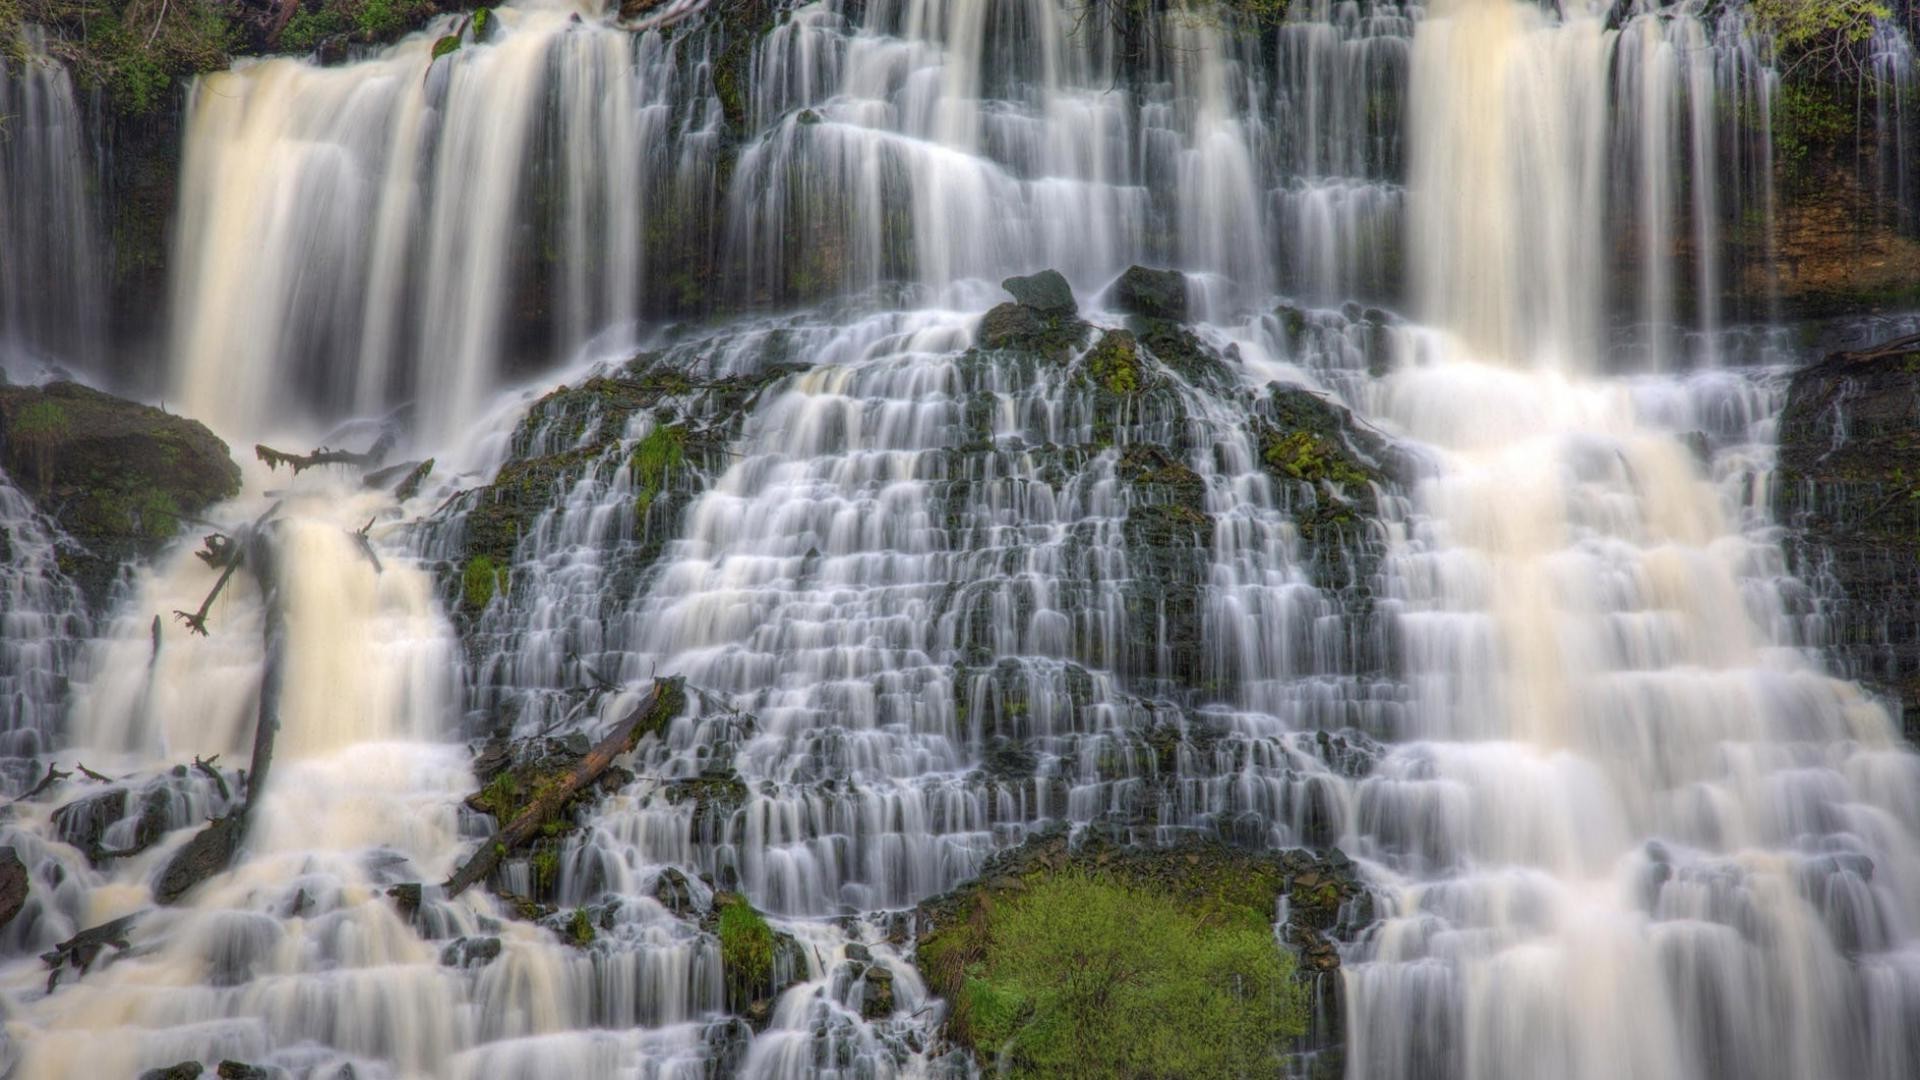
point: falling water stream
(1617, 821)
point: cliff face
(1848, 487)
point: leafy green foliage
(1203, 988)
(478, 582)
(663, 450)
(746, 947)
(1820, 35)
(580, 931)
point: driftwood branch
(650, 714)
(369, 459)
(206, 766)
(213, 848)
(91, 775)
(83, 948)
(227, 551)
(54, 775)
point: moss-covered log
(664, 701)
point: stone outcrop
(119, 477)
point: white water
(52, 288)
(1621, 826)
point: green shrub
(663, 450)
(746, 948)
(1086, 976)
(478, 582)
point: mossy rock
(1191, 924)
(121, 478)
(1113, 364)
(1017, 328)
(757, 963)
(1046, 293)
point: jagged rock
(209, 852)
(83, 822)
(1847, 486)
(674, 892)
(120, 477)
(14, 884)
(1154, 294)
(186, 1070)
(1046, 293)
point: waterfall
(694, 319)
(52, 302)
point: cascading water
(931, 595)
(52, 305)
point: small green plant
(746, 947)
(478, 582)
(42, 421)
(657, 455)
(545, 865)
(580, 929)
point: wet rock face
(121, 478)
(1153, 294)
(14, 882)
(1848, 487)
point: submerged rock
(186, 1070)
(120, 477)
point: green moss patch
(1040, 964)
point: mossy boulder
(757, 962)
(119, 477)
(1054, 939)
(1153, 294)
(1046, 293)
(1042, 318)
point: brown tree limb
(229, 551)
(650, 714)
(370, 459)
(83, 948)
(54, 776)
(206, 766)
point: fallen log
(83, 948)
(371, 458)
(55, 774)
(213, 848)
(649, 715)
